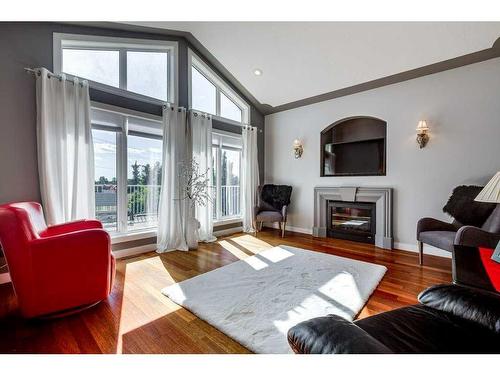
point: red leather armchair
(57, 268)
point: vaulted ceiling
(301, 59)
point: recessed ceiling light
(257, 72)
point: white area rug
(256, 300)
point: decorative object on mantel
(422, 136)
(491, 194)
(298, 148)
(196, 192)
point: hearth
(351, 220)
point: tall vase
(193, 225)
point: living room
(302, 186)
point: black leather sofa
(463, 317)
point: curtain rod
(36, 72)
(196, 112)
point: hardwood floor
(137, 318)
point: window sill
(132, 236)
(230, 220)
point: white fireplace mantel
(381, 196)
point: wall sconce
(422, 136)
(298, 148)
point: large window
(209, 93)
(139, 66)
(128, 173)
(226, 152)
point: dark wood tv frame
(358, 134)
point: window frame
(219, 219)
(122, 45)
(194, 61)
(122, 132)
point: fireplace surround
(380, 196)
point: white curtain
(173, 210)
(201, 136)
(65, 148)
(249, 177)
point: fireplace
(381, 197)
(351, 220)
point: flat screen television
(354, 147)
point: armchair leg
(283, 225)
(420, 247)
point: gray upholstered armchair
(272, 205)
(481, 226)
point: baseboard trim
(152, 247)
(428, 250)
(290, 228)
(228, 231)
(134, 251)
(5, 278)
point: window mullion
(123, 68)
(219, 179)
(122, 178)
(170, 96)
(217, 101)
(239, 185)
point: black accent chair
(463, 317)
(474, 224)
(272, 205)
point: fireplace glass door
(352, 220)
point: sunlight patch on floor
(255, 263)
(240, 254)
(251, 243)
(145, 278)
(343, 288)
(338, 294)
(277, 255)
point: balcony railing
(142, 207)
(230, 205)
(143, 202)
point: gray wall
(30, 45)
(463, 112)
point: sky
(142, 150)
(144, 69)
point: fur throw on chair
(464, 209)
(276, 196)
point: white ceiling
(301, 59)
